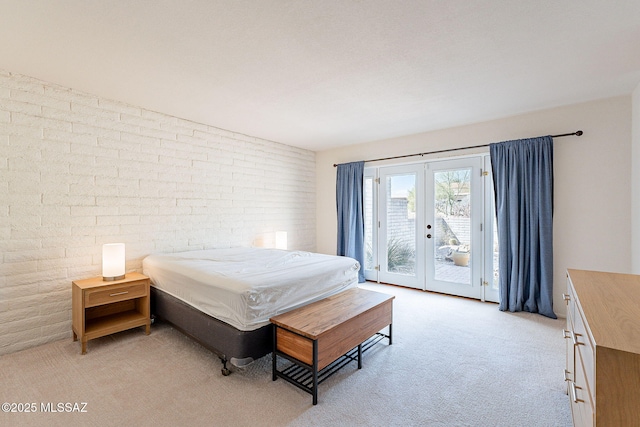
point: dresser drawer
(570, 299)
(115, 293)
(581, 397)
(585, 348)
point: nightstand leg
(84, 347)
(75, 336)
(147, 329)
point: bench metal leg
(315, 372)
(274, 355)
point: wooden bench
(322, 337)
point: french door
(430, 226)
(400, 241)
(454, 219)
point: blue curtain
(523, 182)
(350, 213)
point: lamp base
(111, 279)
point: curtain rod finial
(578, 133)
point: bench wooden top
(321, 316)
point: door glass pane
(368, 223)
(452, 228)
(401, 224)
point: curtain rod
(576, 133)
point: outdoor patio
(447, 270)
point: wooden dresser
(603, 348)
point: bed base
(217, 336)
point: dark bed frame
(219, 337)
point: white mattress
(244, 287)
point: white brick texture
(79, 171)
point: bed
(223, 298)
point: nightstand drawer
(115, 293)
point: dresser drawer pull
(567, 375)
(574, 393)
(566, 334)
(119, 293)
(574, 338)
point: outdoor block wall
(79, 170)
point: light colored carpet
(453, 362)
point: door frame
(373, 222)
(489, 290)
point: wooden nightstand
(101, 308)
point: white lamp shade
(113, 260)
(281, 240)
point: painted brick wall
(78, 171)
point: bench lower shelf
(306, 378)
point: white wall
(77, 171)
(635, 186)
(592, 219)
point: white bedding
(244, 287)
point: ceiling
(326, 73)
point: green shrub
(400, 256)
